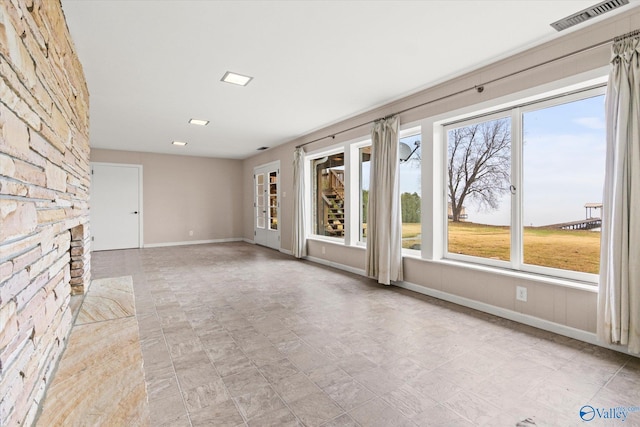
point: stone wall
(44, 193)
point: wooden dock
(583, 224)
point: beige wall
(44, 192)
(574, 307)
(184, 193)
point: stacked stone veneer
(80, 258)
(44, 192)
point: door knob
(135, 212)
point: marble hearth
(100, 378)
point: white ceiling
(153, 65)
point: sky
(409, 171)
(563, 166)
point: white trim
(410, 129)
(515, 113)
(593, 77)
(328, 151)
(352, 206)
(116, 164)
(273, 164)
(141, 208)
(536, 322)
(328, 239)
(250, 241)
(193, 242)
(286, 251)
(342, 267)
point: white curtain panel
(384, 223)
(619, 292)
(299, 238)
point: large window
(328, 197)
(521, 187)
(410, 181)
(364, 156)
(529, 199)
(478, 188)
(563, 176)
(410, 200)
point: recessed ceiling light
(180, 143)
(236, 79)
(199, 122)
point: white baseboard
(336, 265)
(525, 319)
(536, 322)
(192, 242)
(284, 251)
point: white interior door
(267, 205)
(115, 208)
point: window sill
(524, 275)
(412, 253)
(328, 239)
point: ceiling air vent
(262, 148)
(592, 12)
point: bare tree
(479, 164)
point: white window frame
(413, 129)
(516, 112)
(309, 159)
(587, 93)
(445, 179)
(356, 214)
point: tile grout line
(175, 375)
(246, 421)
(261, 374)
(612, 378)
(242, 295)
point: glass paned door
(267, 205)
(261, 212)
(273, 200)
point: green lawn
(576, 250)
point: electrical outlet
(521, 293)
(323, 250)
(190, 232)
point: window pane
(260, 209)
(479, 171)
(410, 180)
(329, 195)
(273, 200)
(365, 163)
(563, 177)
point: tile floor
(235, 334)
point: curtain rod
(478, 88)
(624, 36)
